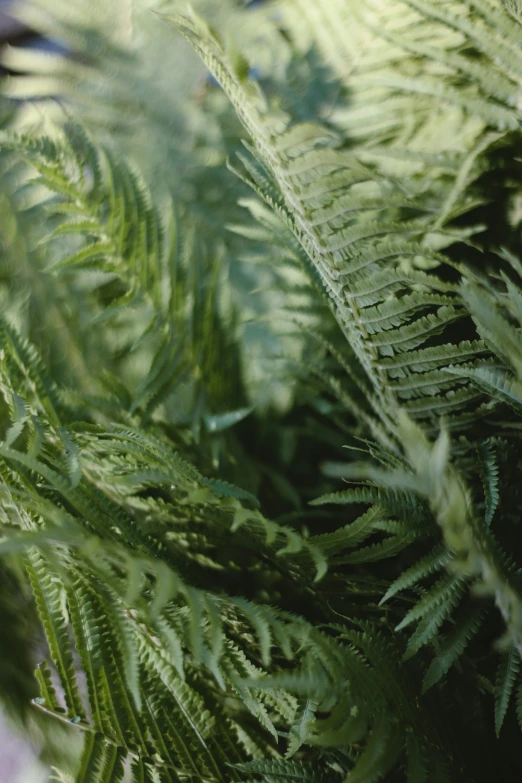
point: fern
(506, 676)
(331, 246)
(453, 646)
(185, 346)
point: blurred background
(18, 758)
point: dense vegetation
(261, 389)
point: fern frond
(379, 755)
(282, 770)
(505, 682)
(444, 593)
(429, 624)
(48, 600)
(47, 690)
(434, 561)
(452, 647)
(490, 480)
(332, 243)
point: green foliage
(307, 238)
